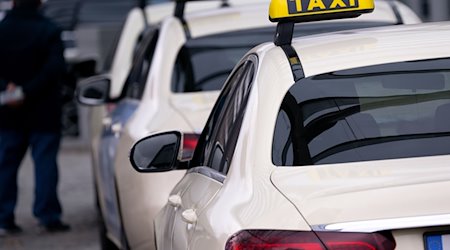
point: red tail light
(294, 240)
(110, 107)
(189, 144)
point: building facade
(430, 10)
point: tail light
(295, 240)
(110, 107)
(189, 144)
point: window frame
(209, 141)
(137, 77)
(398, 68)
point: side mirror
(94, 91)
(157, 153)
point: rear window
(383, 112)
(204, 63)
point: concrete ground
(76, 195)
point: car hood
(194, 107)
(371, 191)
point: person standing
(31, 58)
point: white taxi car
(174, 85)
(336, 141)
(160, 49)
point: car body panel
(258, 195)
(137, 207)
(195, 195)
(374, 48)
(135, 24)
(172, 113)
(106, 177)
(123, 56)
(365, 191)
(160, 109)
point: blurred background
(92, 30)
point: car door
(124, 108)
(210, 163)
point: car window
(221, 131)
(204, 63)
(137, 79)
(228, 128)
(381, 112)
(203, 148)
(69, 13)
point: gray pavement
(76, 195)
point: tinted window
(207, 139)
(204, 63)
(218, 140)
(228, 129)
(382, 112)
(137, 79)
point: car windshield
(381, 112)
(204, 63)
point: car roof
(358, 48)
(228, 19)
(207, 19)
(158, 11)
(336, 51)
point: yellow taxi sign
(316, 10)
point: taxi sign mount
(180, 6)
(315, 10)
(288, 12)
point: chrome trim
(208, 172)
(370, 226)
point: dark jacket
(31, 56)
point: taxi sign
(316, 10)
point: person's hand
(11, 87)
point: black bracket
(180, 6)
(179, 9)
(283, 39)
(284, 33)
(225, 3)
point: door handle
(175, 200)
(189, 216)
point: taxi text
(303, 6)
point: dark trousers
(44, 150)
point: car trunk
(408, 197)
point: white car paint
(408, 196)
(160, 109)
(135, 24)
